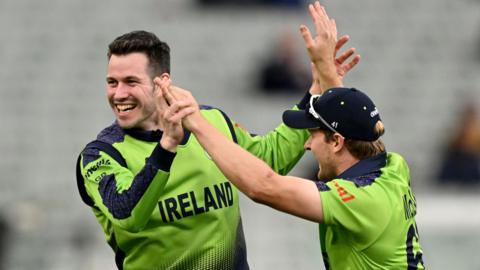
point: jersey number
(413, 259)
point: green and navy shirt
(161, 210)
(369, 217)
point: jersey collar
(153, 135)
(365, 166)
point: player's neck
(345, 162)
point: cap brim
(300, 119)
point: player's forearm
(126, 199)
(248, 173)
(141, 212)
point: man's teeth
(125, 107)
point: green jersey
(161, 210)
(369, 217)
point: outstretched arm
(249, 174)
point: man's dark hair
(157, 52)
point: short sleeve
(361, 211)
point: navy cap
(347, 111)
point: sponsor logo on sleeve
(343, 193)
(92, 169)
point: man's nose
(308, 144)
(121, 91)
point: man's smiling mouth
(125, 107)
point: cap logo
(374, 112)
(334, 124)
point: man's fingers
(180, 105)
(161, 102)
(323, 24)
(179, 115)
(318, 16)
(313, 13)
(341, 41)
(352, 63)
(170, 112)
(178, 92)
(307, 36)
(320, 9)
(321, 12)
(174, 92)
(344, 56)
(178, 110)
(333, 25)
(169, 97)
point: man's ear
(338, 142)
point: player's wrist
(325, 67)
(329, 83)
(195, 122)
(329, 78)
(315, 88)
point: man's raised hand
(323, 49)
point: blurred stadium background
(420, 62)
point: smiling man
(161, 201)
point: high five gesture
(323, 49)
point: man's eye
(111, 82)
